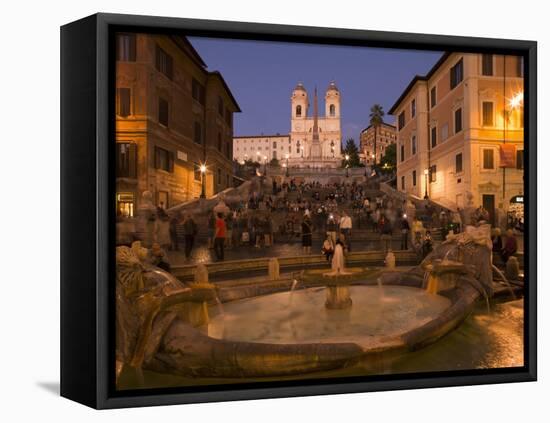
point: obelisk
(315, 146)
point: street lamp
(516, 100)
(202, 169)
(426, 172)
(265, 165)
(347, 165)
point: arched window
(332, 110)
(298, 111)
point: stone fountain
(261, 336)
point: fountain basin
(300, 316)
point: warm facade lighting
(517, 100)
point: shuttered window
(164, 63)
(458, 163)
(163, 111)
(126, 47)
(197, 133)
(458, 120)
(124, 97)
(488, 113)
(457, 74)
(164, 159)
(126, 160)
(488, 159)
(487, 64)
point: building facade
(374, 141)
(460, 133)
(313, 141)
(260, 148)
(172, 115)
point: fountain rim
(422, 335)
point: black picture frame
(87, 197)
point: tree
(376, 119)
(274, 162)
(352, 151)
(389, 160)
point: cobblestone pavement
(203, 254)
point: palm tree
(376, 119)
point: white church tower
(332, 138)
(315, 141)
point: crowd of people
(331, 213)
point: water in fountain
(505, 279)
(338, 266)
(269, 318)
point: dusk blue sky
(262, 75)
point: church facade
(313, 141)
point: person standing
(189, 233)
(405, 228)
(496, 238)
(345, 227)
(510, 246)
(306, 234)
(427, 244)
(328, 248)
(219, 236)
(331, 228)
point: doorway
(489, 205)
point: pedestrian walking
(219, 236)
(405, 228)
(345, 228)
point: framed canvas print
(256, 211)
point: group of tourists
(298, 211)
